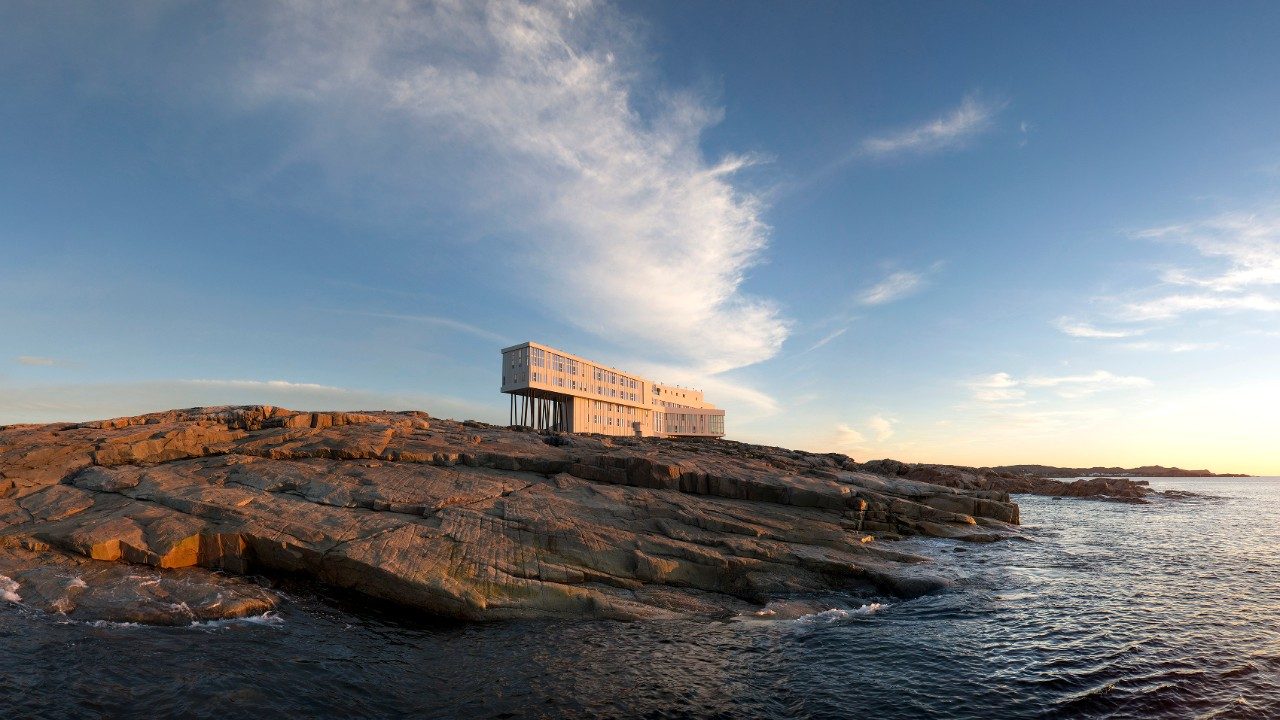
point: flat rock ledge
(1113, 489)
(457, 519)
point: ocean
(1166, 610)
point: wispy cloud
(826, 339)
(1171, 347)
(895, 287)
(613, 214)
(951, 130)
(1238, 274)
(898, 285)
(435, 320)
(861, 437)
(881, 427)
(1079, 329)
(35, 361)
(1247, 244)
(848, 436)
(1072, 386)
(267, 384)
(1173, 306)
(1004, 389)
(998, 387)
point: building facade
(553, 390)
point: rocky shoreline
(158, 518)
(1115, 489)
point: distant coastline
(1144, 471)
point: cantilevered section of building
(553, 390)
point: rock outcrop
(460, 519)
(1014, 483)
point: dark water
(1165, 610)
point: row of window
(612, 378)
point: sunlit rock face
(469, 520)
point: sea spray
(9, 590)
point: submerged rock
(470, 520)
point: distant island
(1144, 471)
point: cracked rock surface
(458, 519)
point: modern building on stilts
(553, 390)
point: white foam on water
(76, 582)
(9, 590)
(270, 618)
(835, 615)
(110, 624)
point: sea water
(1166, 610)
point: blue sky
(954, 232)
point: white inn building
(553, 390)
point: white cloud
(1085, 330)
(997, 388)
(1004, 389)
(1172, 306)
(881, 427)
(848, 437)
(952, 130)
(1248, 245)
(616, 222)
(1238, 273)
(1171, 347)
(898, 285)
(1072, 386)
(895, 287)
(854, 438)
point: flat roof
(579, 358)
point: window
(539, 357)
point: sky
(960, 232)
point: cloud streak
(1005, 389)
(825, 339)
(1085, 330)
(614, 215)
(896, 286)
(1238, 274)
(952, 130)
(35, 361)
